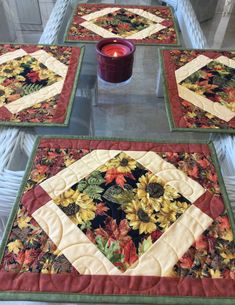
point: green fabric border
(176, 27)
(168, 104)
(71, 100)
(112, 299)
(223, 188)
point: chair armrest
(53, 25)
(188, 23)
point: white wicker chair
(13, 139)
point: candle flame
(115, 54)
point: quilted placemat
(37, 83)
(200, 89)
(142, 24)
(121, 222)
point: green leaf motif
(91, 185)
(145, 245)
(114, 22)
(30, 88)
(109, 250)
(2, 79)
(95, 178)
(94, 191)
(194, 77)
(219, 81)
(119, 195)
(82, 185)
(86, 225)
(231, 83)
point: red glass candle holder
(115, 58)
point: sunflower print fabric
(139, 216)
(122, 192)
(141, 24)
(34, 83)
(29, 248)
(201, 89)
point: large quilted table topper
(141, 24)
(121, 222)
(200, 89)
(37, 83)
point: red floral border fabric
(35, 264)
(214, 81)
(26, 76)
(123, 23)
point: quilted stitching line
(202, 102)
(224, 289)
(56, 185)
(152, 29)
(144, 159)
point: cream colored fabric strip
(205, 104)
(226, 61)
(72, 242)
(100, 13)
(51, 62)
(191, 67)
(87, 259)
(12, 55)
(62, 181)
(145, 14)
(171, 246)
(98, 30)
(36, 97)
(152, 29)
(186, 186)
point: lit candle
(115, 58)
(115, 50)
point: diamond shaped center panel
(123, 22)
(214, 81)
(123, 208)
(23, 76)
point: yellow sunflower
(44, 72)
(5, 92)
(66, 198)
(50, 76)
(181, 207)
(122, 162)
(152, 190)
(11, 69)
(226, 252)
(167, 214)
(140, 217)
(81, 204)
(37, 66)
(20, 78)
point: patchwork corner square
(200, 89)
(140, 216)
(142, 24)
(36, 83)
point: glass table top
(132, 111)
